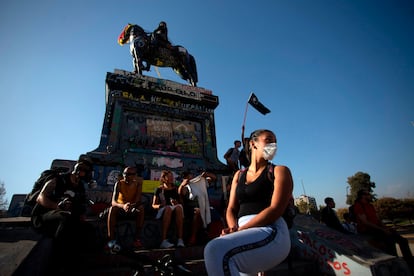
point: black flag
(254, 101)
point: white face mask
(269, 151)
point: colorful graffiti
(153, 132)
(165, 101)
(325, 256)
(159, 85)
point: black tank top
(256, 196)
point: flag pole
(245, 112)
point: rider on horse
(160, 36)
(154, 49)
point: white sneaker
(166, 244)
(180, 243)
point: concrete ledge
(15, 222)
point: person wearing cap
(126, 203)
(59, 211)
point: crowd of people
(255, 236)
(62, 205)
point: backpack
(30, 200)
(290, 211)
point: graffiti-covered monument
(154, 124)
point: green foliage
(359, 181)
(391, 209)
(306, 208)
(388, 208)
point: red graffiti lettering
(347, 271)
(338, 266)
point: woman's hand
(229, 230)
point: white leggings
(249, 251)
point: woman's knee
(213, 248)
(168, 209)
(179, 209)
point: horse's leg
(188, 64)
(136, 62)
(193, 71)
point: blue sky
(338, 77)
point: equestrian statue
(154, 48)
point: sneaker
(112, 247)
(138, 244)
(180, 243)
(166, 244)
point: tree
(359, 181)
(394, 209)
(3, 200)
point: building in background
(306, 201)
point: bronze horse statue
(144, 49)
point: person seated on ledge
(193, 191)
(329, 217)
(167, 201)
(370, 226)
(348, 224)
(126, 203)
(59, 213)
(257, 237)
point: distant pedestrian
(232, 156)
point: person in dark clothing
(167, 202)
(58, 214)
(232, 156)
(329, 217)
(257, 236)
(243, 156)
